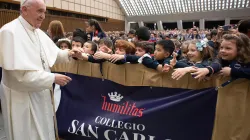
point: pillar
(179, 24)
(141, 23)
(159, 25)
(127, 26)
(202, 24)
(227, 21)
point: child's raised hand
(178, 73)
(101, 55)
(82, 50)
(75, 52)
(200, 73)
(116, 57)
(225, 72)
(174, 60)
(166, 68)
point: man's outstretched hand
(76, 52)
(62, 80)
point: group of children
(196, 56)
(232, 60)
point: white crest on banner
(115, 97)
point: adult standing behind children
(95, 30)
(142, 34)
(26, 55)
(56, 30)
(244, 27)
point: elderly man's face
(35, 13)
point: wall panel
(69, 23)
(109, 6)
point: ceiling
(163, 7)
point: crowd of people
(225, 50)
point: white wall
(104, 8)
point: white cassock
(26, 55)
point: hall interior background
(71, 18)
(74, 13)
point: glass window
(224, 4)
(235, 4)
(243, 3)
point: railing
(233, 103)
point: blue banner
(92, 109)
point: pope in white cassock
(26, 55)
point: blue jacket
(100, 35)
(185, 63)
(238, 70)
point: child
(106, 45)
(143, 49)
(77, 42)
(69, 35)
(142, 34)
(234, 57)
(122, 47)
(184, 50)
(199, 55)
(213, 42)
(162, 55)
(79, 38)
(177, 44)
(89, 48)
(64, 44)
